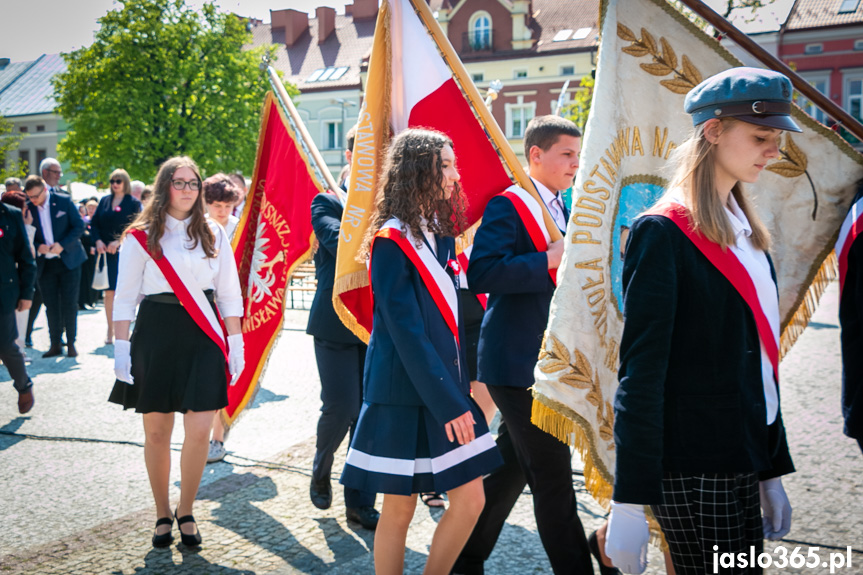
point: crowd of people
(452, 343)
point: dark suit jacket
(67, 227)
(17, 268)
(505, 264)
(851, 320)
(323, 320)
(108, 225)
(691, 395)
(412, 358)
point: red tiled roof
(346, 47)
(820, 13)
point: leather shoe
(465, 566)
(365, 516)
(593, 544)
(71, 351)
(321, 493)
(54, 351)
(25, 401)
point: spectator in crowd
(18, 270)
(19, 200)
(146, 195)
(243, 186)
(59, 255)
(137, 189)
(349, 151)
(113, 215)
(12, 184)
(86, 299)
(177, 361)
(220, 195)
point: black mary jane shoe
(164, 539)
(189, 540)
(593, 544)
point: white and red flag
(409, 85)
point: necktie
(558, 212)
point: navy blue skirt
(402, 450)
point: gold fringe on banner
(346, 283)
(827, 272)
(563, 423)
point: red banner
(274, 236)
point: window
(24, 157)
(820, 83)
(517, 117)
(477, 77)
(813, 48)
(479, 35)
(315, 75)
(40, 155)
(854, 98)
(562, 35)
(567, 70)
(22, 129)
(581, 33)
(858, 44)
(333, 135)
(40, 128)
(848, 6)
(519, 73)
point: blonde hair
(694, 176)
(123, 175)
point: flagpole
(802, 86)
(478, 104)
(277, 85)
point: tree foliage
(579, 109)
(161, 80)
(8, 144)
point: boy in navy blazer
(506, 264)
(59, 255)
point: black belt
(169, 297)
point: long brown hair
(411, 189)
(127, 181)
(152, 218)
(694, 175)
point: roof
(26, 88)
(344, 48)
(553, 16)
(820, 13)
(763, 19)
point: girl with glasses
(113, 214)
(183, 265)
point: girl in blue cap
(698, 429)
(418, 430)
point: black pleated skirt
(175, 366)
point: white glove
(626, 538)
(236, 356)
(123, 360)
(775, 509)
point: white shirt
(44, 212)
(554, 202)
(755, 262)
(231, 228)
(139, 275)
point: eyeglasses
(58, 172)
(117, 181)
(34, 196)
(193, 185)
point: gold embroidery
(664, 60)
(793, 162)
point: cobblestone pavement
(75, 497)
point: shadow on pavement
(159, 561)
(343, 545)
(265, 396)
(7, 441)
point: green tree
(8, 144)
(579, 109)
(161, 80)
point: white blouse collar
(173, 223)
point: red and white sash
(463, 258)
(530, 213)
(734, 271)
(435, 277)
(190, 295)
(852, 226)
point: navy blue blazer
(691, 395)
(67, 227)
(108, 225)
(323, 320)
(851, 321)
(412, 357)
(17, 268)
(505, 264)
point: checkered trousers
(700, 511)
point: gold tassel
(826, 273)
(346, 283)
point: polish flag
(409, 85)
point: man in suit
(506, 264)
(341, 359)
(59, 252)
(18, 271)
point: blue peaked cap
(757, 96)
